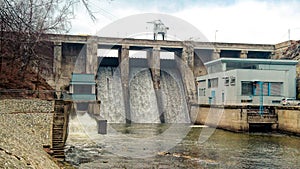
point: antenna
(159, 28)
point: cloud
(247, 21)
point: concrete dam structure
(144, 81)
(129, 85)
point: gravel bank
(26, 105)
(22, 136)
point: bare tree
(24, 27)
(24, 22)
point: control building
(236, 81)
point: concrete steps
(59, 128)
(58, 143)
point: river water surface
(178, 146)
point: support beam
(57, 66)
(91, 56)
(188, 50)
(124, 71)
(186, 71)
(216, 54)
(153, 58)
(244, 54)
(154, 65)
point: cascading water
(174, 103)
(142, 97)
(143, 101)
(110, 94)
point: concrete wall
(235, 119)
(229, 118)
(289, 120)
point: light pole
(216, 35)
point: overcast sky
(241, 21)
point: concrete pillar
(91, 56)
(57, 66)
(187, 72)
(244, 54)
(188, 50)
(199, 68)
(188, 79)
(153, 58)
(124, 71)
(216, 54)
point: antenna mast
(159, 28)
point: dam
(121, 73)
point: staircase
(59, 128)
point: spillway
(143, 101)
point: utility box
(102, 126)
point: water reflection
(222, 150)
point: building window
(232, 81)
(226, 81)
(213, 83)
(201, 87)
(202, 83)
(247, 88)
(82, 89)
(275, 88)
(201, 92)
(267, 88)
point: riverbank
(22, 137)
(25, 128)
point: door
(213, 97)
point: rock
(163, 153)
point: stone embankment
(25, 126)
(26, 106)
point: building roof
(258, 61)
(78, 78)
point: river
(178, 146)
(149, 144)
